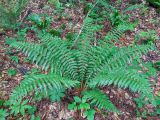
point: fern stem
(77, 38)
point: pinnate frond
(124, 78)
(55, 56)
(42, 83)
(100, 100)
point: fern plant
(83, 68)
(10, 10)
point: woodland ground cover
(95, 60)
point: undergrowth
(10, 11)
(83, 65)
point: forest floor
(122, 99)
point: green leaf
(99, 99)
(84, 99)
(42, 83)
(2, 102)
(32, 110)
(139, 102)
(12, 72)
(158, 101)
(23, 108)
(35, 18)
(3, 114)
(19, 106)
(144, 114)
(33, 117)
(56, 95)
(85, 106)
(55, 33)
(90, 114)
(158, 111)
(72, 106)
(77, 99)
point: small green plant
(20, 107)
(10, 10)
(56, 3)
(21, 34)
(41, 21)
(157, 65)
(33, 117)
(116, 16)
(3, 114)
(155, 3)
(12, 72)
(145, 37)
(82, 106)
(2, 102)
(142, 111)
(70, 36)
(55, 32)
(141, 103)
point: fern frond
(82, 63)
(116, 33)
(124, 78)
(44, 36)
(96, 58)
(126, 55)
(100, 100)
(87, 33)
(55, 56)
(107, 6)
(100, 58)
(88, 30)
(41, 83)
(133, 7)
